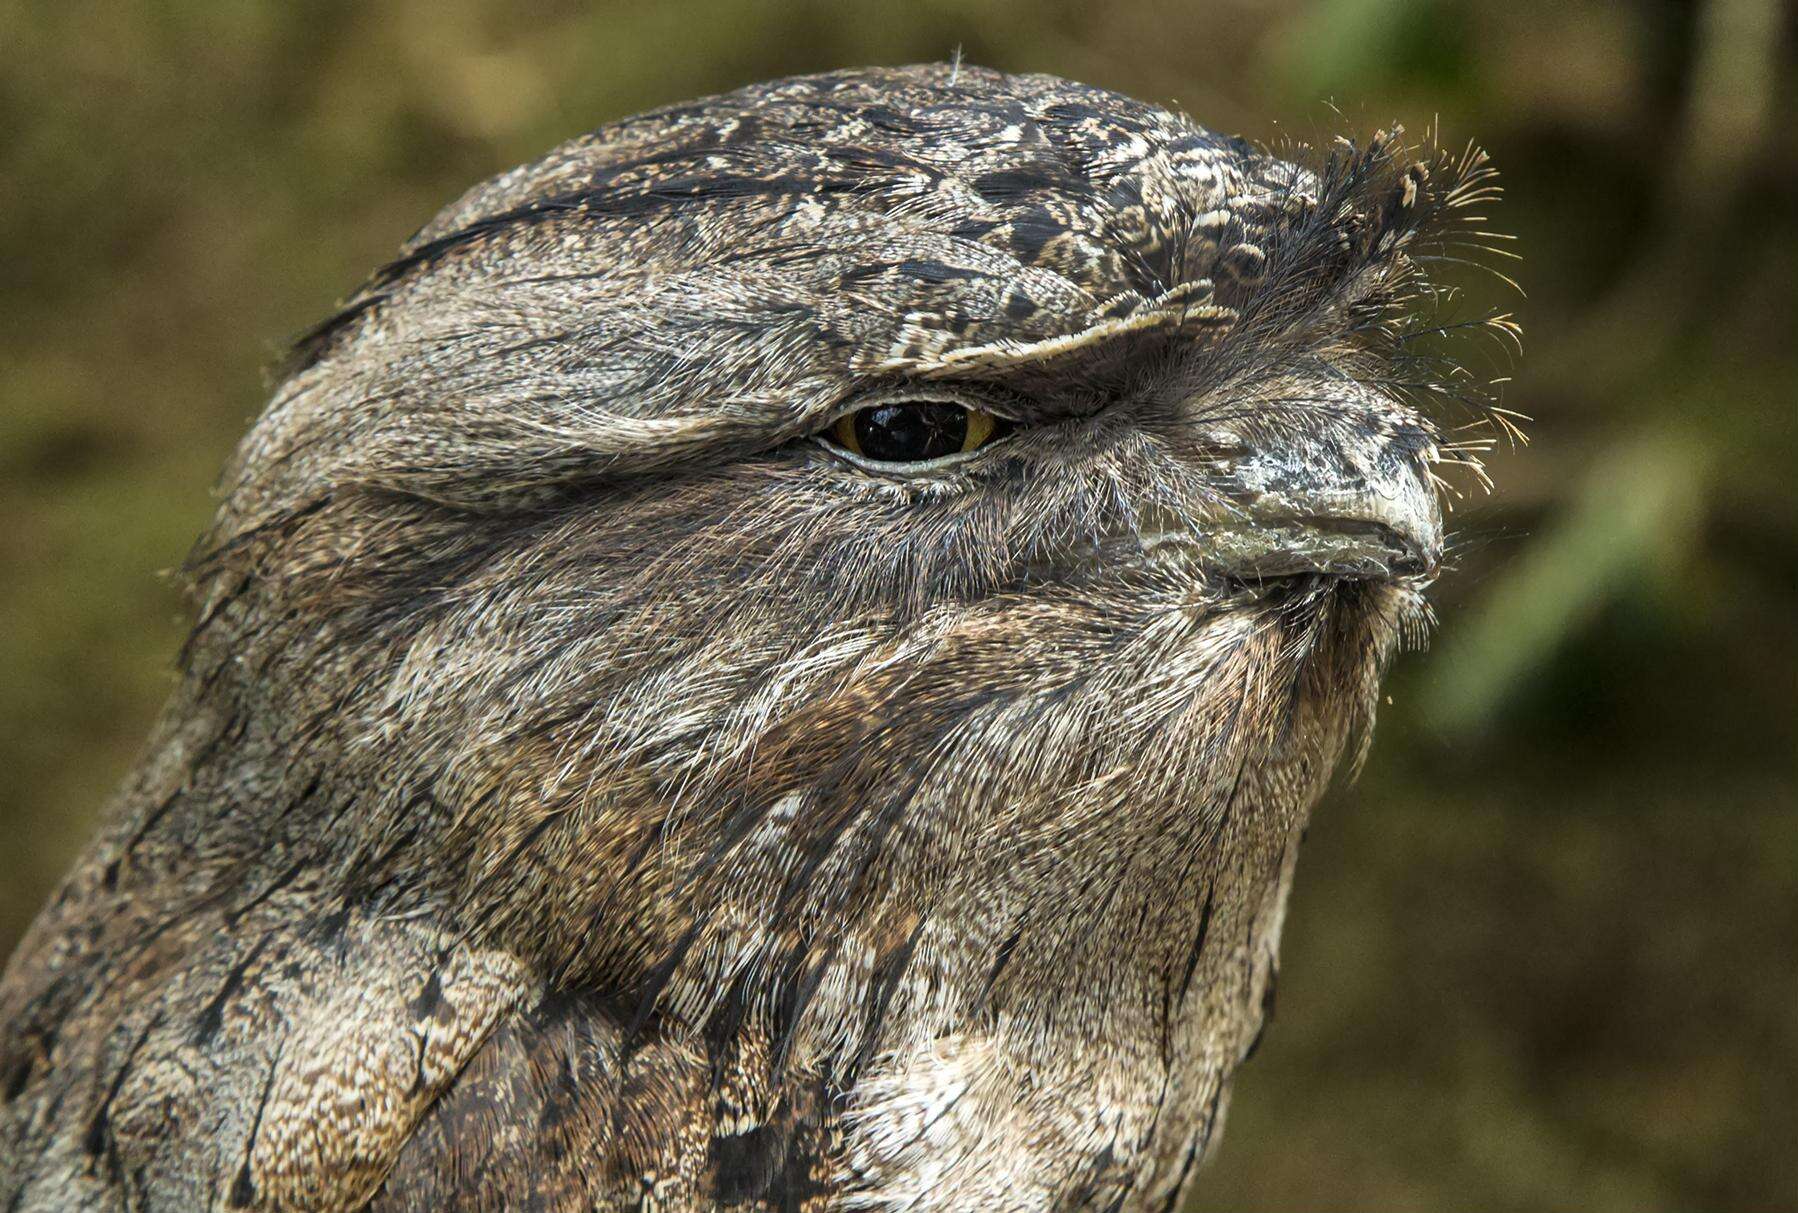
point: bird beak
(1348, 506)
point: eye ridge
(900, 431)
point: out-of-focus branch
(1726, 125)
(1640, 503)
(1729, 112)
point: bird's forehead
(1017, 215)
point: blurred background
(1544, 953)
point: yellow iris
(979, 428)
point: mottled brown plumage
(592, 786)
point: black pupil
(906, 433)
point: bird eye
(914, 431)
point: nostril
(1419, 560)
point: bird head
(848, 540)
